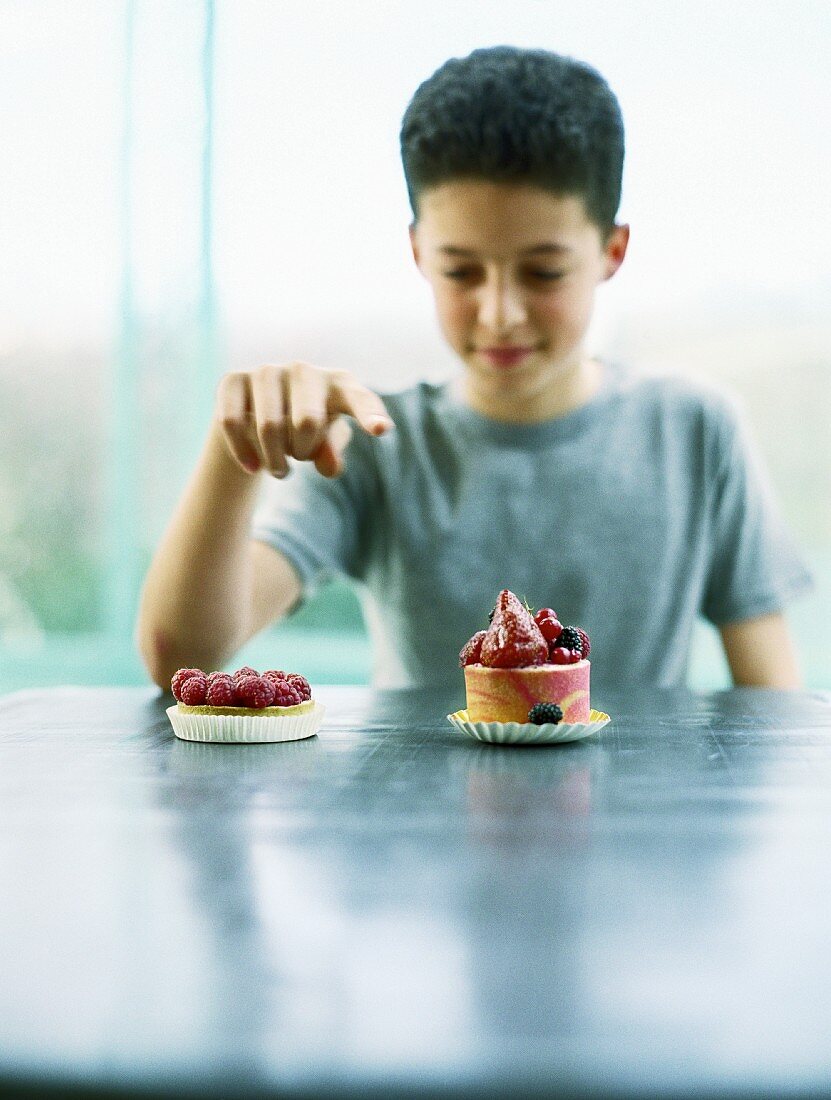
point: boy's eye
(466, 273)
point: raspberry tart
(243, 706)
(524, 659)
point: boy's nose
(501, 306)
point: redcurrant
(550, 628)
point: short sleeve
(321, 524)
(754, 567)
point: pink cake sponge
(507, 694)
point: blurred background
(188, 187)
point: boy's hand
(271, 413)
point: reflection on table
(390, 906)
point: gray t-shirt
(630, 516)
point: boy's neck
(561, 391)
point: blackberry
(540, 713)
(570, 638)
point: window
(193, 187)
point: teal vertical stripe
(122, 558)
(209, 365)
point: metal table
(390, 909)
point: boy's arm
(761, 652)
(210, 587)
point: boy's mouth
(506, 356)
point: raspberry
(540, 713)
(241, 673)
(255, 691)
(587, 646)
(513, 639)
(301, 685)
(179, 678)
(471, 653)
(285, 695)
(275, 674)
(194, 690)
(221, 691)
(570, 638)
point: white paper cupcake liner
(527, 733)
(246, 729)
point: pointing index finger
(353, 399)
(376, 425)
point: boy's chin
(479, 366)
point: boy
(630, 505)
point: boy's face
(513, 269)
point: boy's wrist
(220, 462)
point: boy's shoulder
(673, 392)
(668, 385)
(417, 396)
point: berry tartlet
(243, 706)
(524, 659)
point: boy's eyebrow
(547, 248)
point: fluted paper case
(246, 729)
(527, 733)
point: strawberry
(513, 639)
(472, 649)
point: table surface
(391, 909)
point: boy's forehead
(478, 215)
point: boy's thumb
(328, 457)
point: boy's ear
(615, 250)
(414, 245)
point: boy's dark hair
(511, 115)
